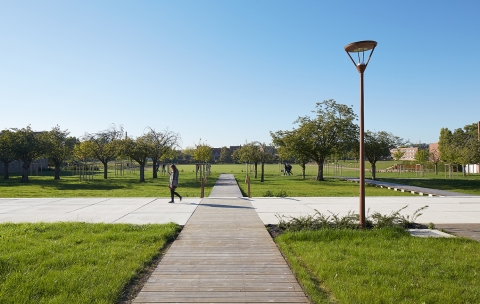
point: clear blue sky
(231, 71)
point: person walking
(173, 183)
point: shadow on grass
(459, 185)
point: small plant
(268, 193)
(431, 225)
(281, 193)
(393, 219)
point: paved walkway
(223, 255)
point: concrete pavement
(441, 210)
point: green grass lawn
(76, 262)
(127, 185)
(275, 183)
(383, 266)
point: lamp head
(361, 47)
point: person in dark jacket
(173, 183)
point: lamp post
(361, 47)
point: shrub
(319, 221)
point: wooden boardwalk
(223, 255)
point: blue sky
(229, 71)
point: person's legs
(179, 196)
(172, 193)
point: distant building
(408, 153)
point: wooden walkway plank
(224, 254)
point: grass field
(76, 262)
(383, 266)
(127, 185)
(275, 183)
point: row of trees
(462, 146)
(26, 146)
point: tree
(106, 146)
(378, 146)
(27, 146)
(139, 150)
(225, 155)
(422, 156)
(291, 144)
(7, 153)
(398, 154)
(332, 131)
(446, 146)
(248, 153)
(434, 157)
(203, 154)
(161, 143)
(59, 147)
(82, 151)
(265, 155)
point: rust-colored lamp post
(360, 47)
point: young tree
(202, 154)
(7, 153)
(82, 151)
(250, 154)
(59, 147)
(265, 155)
(330, 132)
(106, 146)
(378, 146)
(434, 157)
(28, 146)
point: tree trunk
(436, 169)
(142, 172)
(255, 164)
(263, 172)
(25, 167)
(320, 171)
(57, 171)
(105, 170)
(155, 175)
(374, 170)
(5, 170)
(303, 170)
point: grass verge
(383, 266)
(76, 262)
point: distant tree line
(331, 134)
(105, 146)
